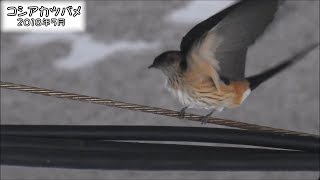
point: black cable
(165, 133)
(98, 154)
(110, 146)
(213, 160)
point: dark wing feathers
(241, 27)
(232, 64)
(238, 26)
(195, 34)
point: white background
(72, 24)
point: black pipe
(215, 160)
(165, 133)
(110, 146)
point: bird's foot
(205, 118)
(182, 113)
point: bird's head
(167, 62)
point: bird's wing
(221, 41)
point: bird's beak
(151, 66)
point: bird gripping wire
(146, 109)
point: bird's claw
(182, 113)
(205, 118)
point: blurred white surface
(197, 11)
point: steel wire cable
(146, 109)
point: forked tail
(256, 80)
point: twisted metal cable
(146, 109)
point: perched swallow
(208, 71)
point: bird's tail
(256, 80)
